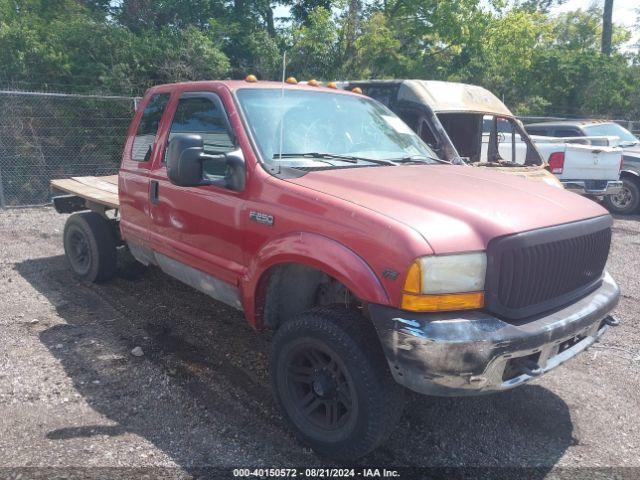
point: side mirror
(186, 162)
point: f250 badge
(260, 217)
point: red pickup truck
(324, 218)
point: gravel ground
(72, 394)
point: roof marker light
(356, 90)
(332, 85)
(314, 83)
(251, 78)
(291, 80)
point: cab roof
(234, 85)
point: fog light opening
(522, 365)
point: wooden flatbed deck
(99, 190)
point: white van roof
(442, 96)
(452, 97)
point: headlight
(447, 282)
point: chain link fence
(54, 135)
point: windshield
(610, 129)
(328, 129)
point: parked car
(628, 199)
(469, 122)
(324, 218)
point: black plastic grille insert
(539, 270)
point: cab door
(140, 152)
(199, 227)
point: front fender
(316, 251)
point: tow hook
(611, 321)
(530, 367)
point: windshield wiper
(413, 159)
(336, 156)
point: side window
(426, 134)
(566, 132)
(148, 127)
(204, 117)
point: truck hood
(455, 208)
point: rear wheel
(90, 246)
(627, 200)
(333, 384)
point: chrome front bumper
(593, 187)
(474, 352)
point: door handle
(153, 191)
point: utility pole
(607, 27)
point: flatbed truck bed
(100, 192)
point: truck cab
(377, 265)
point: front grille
(535, 271)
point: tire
(329, 361)
(90, 246)
(627, 201)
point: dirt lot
(71, 393)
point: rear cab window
(567, 132)
(539, 131)
(148, 127)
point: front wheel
(332, 382)
(627, 200)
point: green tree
(538, 62)
(314, 47)
(379, 51)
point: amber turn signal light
(413, 282)
(442, 303)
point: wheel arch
(316, 253)
(631, 174)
